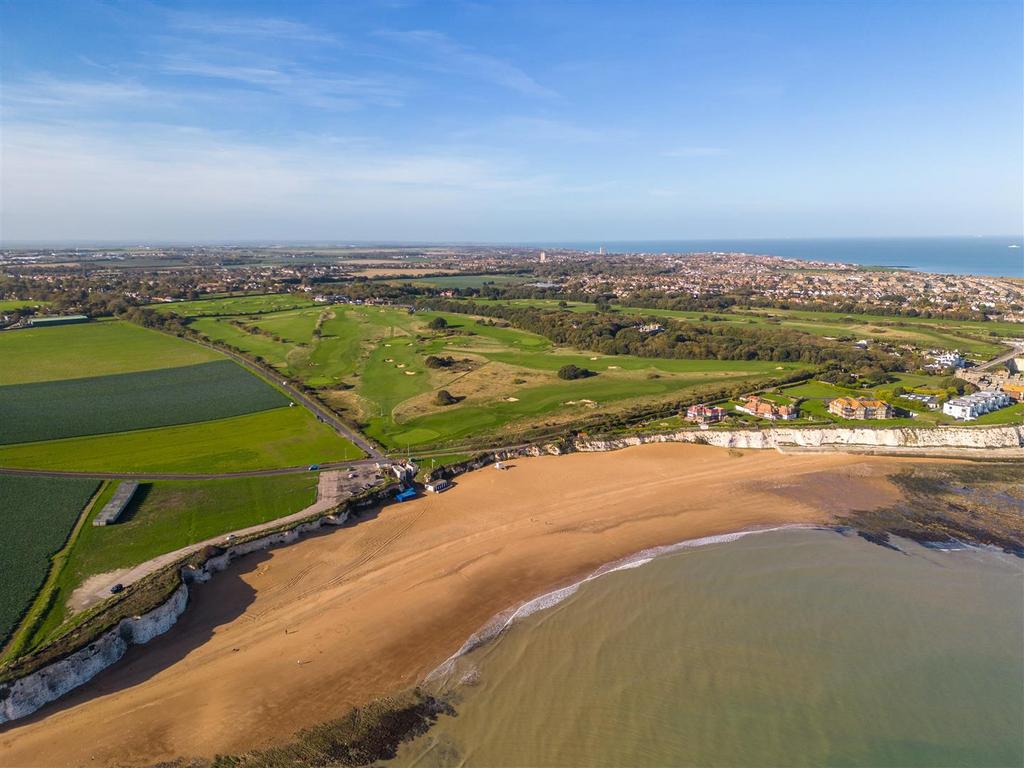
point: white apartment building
(972, 406)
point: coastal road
(318, 410)
(1016, 350)
(339, 465)
(329, 493)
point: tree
(570, 372)
(444, 397)
(438, 324)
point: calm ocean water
(947, 255)
(789, 648)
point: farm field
(117, 403)
(98, 348)
(233, 305)
(369, 363)
(282, 437)
(166, 515)
(37, 515)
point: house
(766, 409)
(947, 359)
(860, 408)
(437, 486)
(977, 404)
(705, 414)
(1014, 391)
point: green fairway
(282, 437)
(975, 337)
(370, 363)
(287, 342)
(234, 305)
(37, 514)
(117, 403)
(467, 281)
(167, 515)
(10, 305)
(98, 348)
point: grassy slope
(238, 305)
(969, 336)
(92, 349)
(382, 351)
(37, 514)
(167, 515)
(283, 437)
(8, 305)
(116, 403)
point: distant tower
(543, 256)
(600, 251)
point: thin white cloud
(440, 53)
(46, 91)
(695, 152)
(89, 181)
(289, 81)
(247, 27)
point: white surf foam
(505, 619)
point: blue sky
(518, 121)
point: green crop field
(166, 515)
(37, 515)
(98, 348)
(282, 437)
(234, 305)
(117, 403)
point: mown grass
(234, 305)
(381, 352)
(166, 515)
(117, 403)
(37, 514)
(970, 336)
(317, 362)
(9, 305)
(282, 437)
(98, 348)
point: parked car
(117, 588)
(314, 467)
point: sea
(793, 647)
(992, 256)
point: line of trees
(620, 334)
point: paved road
(330, 492)
(181, 476)
(318, 410)
(1015, 351)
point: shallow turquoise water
(791, 648)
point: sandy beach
(297, 635)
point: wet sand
(296, 636)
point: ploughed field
(111, 396)
(370, 363)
